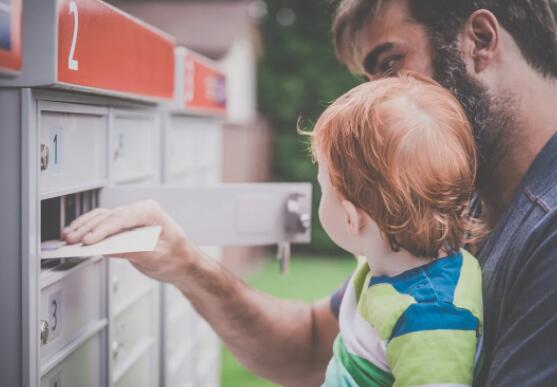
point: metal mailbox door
(229, 214)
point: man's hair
(402, 150)
(529, 22)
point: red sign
(204, 85)
(10, 36)
(101, 47)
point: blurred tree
(298, 76)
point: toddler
(397, 164)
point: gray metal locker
(76, 136)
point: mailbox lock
(297, 215)
(116, 346)
(296, 221)
(119, 151)
(44, 157)
(115, 284)
(44, 331)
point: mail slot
(134, 332)
(138, 375)
(179, 334)
(72, 304)
(73, 147)
(180, 375)
(126, 284)
(134, 149)
(84, 367)
(208, 345)
(192, 149)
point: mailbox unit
(191, 156)
(105, 111)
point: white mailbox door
(227, 214)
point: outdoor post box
(98, 111)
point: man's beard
(491, 117)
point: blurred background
(281, 68)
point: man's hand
(172, 254)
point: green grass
(309, 278)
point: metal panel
(83, 368)
(135, 333)
(126, 284)
(138, 375)
(191, 145)
(30, 227)
(70, 304)
(73, 147)
(137, 163)
(11, 238)
(221, 215)
(134, 146)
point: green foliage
(298, 77)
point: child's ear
(354, 218)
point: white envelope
(141, 239)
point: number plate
(55, 314)
(141, 58)
(55, 148)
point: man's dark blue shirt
(519, 263)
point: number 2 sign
(73, 64)
(103, 48)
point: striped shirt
(421, 327)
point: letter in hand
(172, 254)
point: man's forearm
(285, 341)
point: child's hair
(402, 150)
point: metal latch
(44, 331)
(44, 157)
(297, 221)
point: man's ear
(353, 217)
(481, 38)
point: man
(499, 57)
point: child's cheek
(326, 216)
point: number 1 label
(56, 146)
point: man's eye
(389, 66)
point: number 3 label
(54, 314)
(73, 64)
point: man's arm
(525, 350)
(286, 342)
